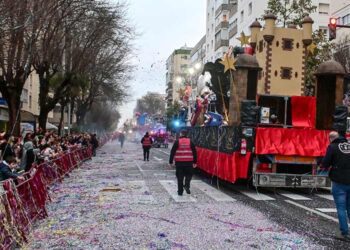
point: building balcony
(221, 8)
(221, 25)
(221, 43)
(233, 9)
(233, 31)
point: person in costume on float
(337, 160)
(185, 155)
(146, 145)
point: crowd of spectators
(18, 154)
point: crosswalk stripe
(211, 191)
(326, 196)
(312, 210)
(171, 188)
(256, 195)
(292, 196)
(158, 159)
(327, 210)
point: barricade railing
(24, 203)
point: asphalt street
(118, 201)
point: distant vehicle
(160, 138)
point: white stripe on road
(256, 195)
(158, 159)
(211, 191)
(312, 211)
(326, 196)
(139, 167)
(163, 152)
(327, 210)
(140, 192)
(171, 188)
(292, 196)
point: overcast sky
(164, 25)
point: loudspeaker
(340, 118)
(249, 113)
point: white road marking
(256, 195)
(158, 159)
(159, 174)
(312, 211)
(327, 210)
(163, 152)
(211, 191)
(171, 188)
(292, 196)
(139, 167)
(326, 196)
(140, 192)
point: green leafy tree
(151, 103)
(171, 111)
(322, 52)
(290, 11)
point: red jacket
(184, 151)
(146, 141)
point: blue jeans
(341, 194)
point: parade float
(265, 129)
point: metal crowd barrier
(23, 204)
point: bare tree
(21, 21)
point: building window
(346, 19)
(242, 16)
(250, 8)
(30, 101)
(184, 57)
(323, 8)
(286, 73)
(224, 18)
(287, 44)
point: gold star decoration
(311, 48)
(181, 92)
(244, 39)
(228, 62)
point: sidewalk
(117, 201)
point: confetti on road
(101, 206)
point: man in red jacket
(146, 145)
(185, 155)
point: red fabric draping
(228, 167)
(303, 111)
(282, 141)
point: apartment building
(217, 27)
(340, 9)
(248, 10)
(177, 74)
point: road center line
(312, 210)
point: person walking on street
(185, 155)
(337, 160)
(121, 139)
(146, 145)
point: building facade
(177, 66)
(217, 27)
(341, 11)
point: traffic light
(332, 28)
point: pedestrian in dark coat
(146, 145)
(337, 160)
(185, 155)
